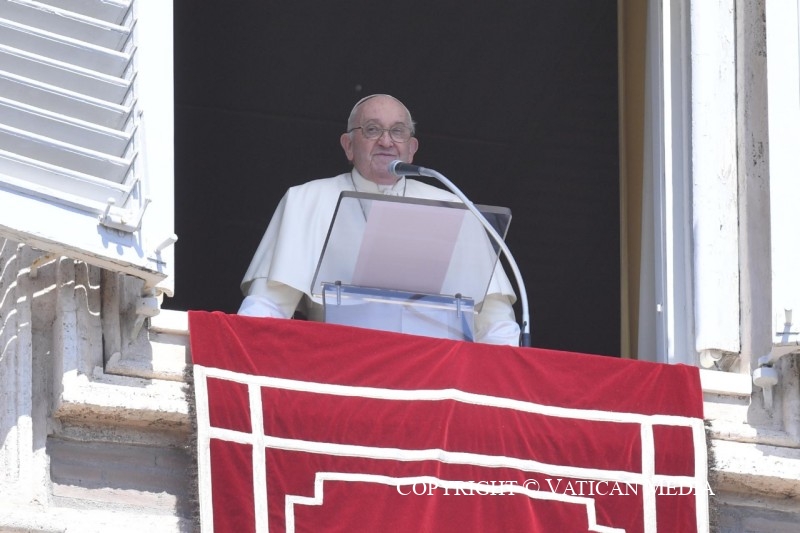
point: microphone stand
(398, 168)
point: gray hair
(351, 120)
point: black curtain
(515, 101)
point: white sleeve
(496, 323)
(270, 299)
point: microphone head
(399, 169)
(393, 167)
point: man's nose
(385, 139)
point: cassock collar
(362, 184)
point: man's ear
(347, 145)
(413, 145)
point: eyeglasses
(399, 132)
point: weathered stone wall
(83, 450)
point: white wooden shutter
(86, 131)
(783, 67)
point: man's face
(371, 157)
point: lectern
(408, 265)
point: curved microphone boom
(398, 168)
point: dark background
(515, 101)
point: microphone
(399, 169)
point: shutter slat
(61, 48)
(64, 155)
(63, 128)
(55, 99)
(52, 72)
(17, 172)
(112, 11)
(66, 23)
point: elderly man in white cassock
(278, 280)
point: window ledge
(725, 383)
(749, 467)
(123, 400)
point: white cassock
(278, 280)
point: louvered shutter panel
(76, 80)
